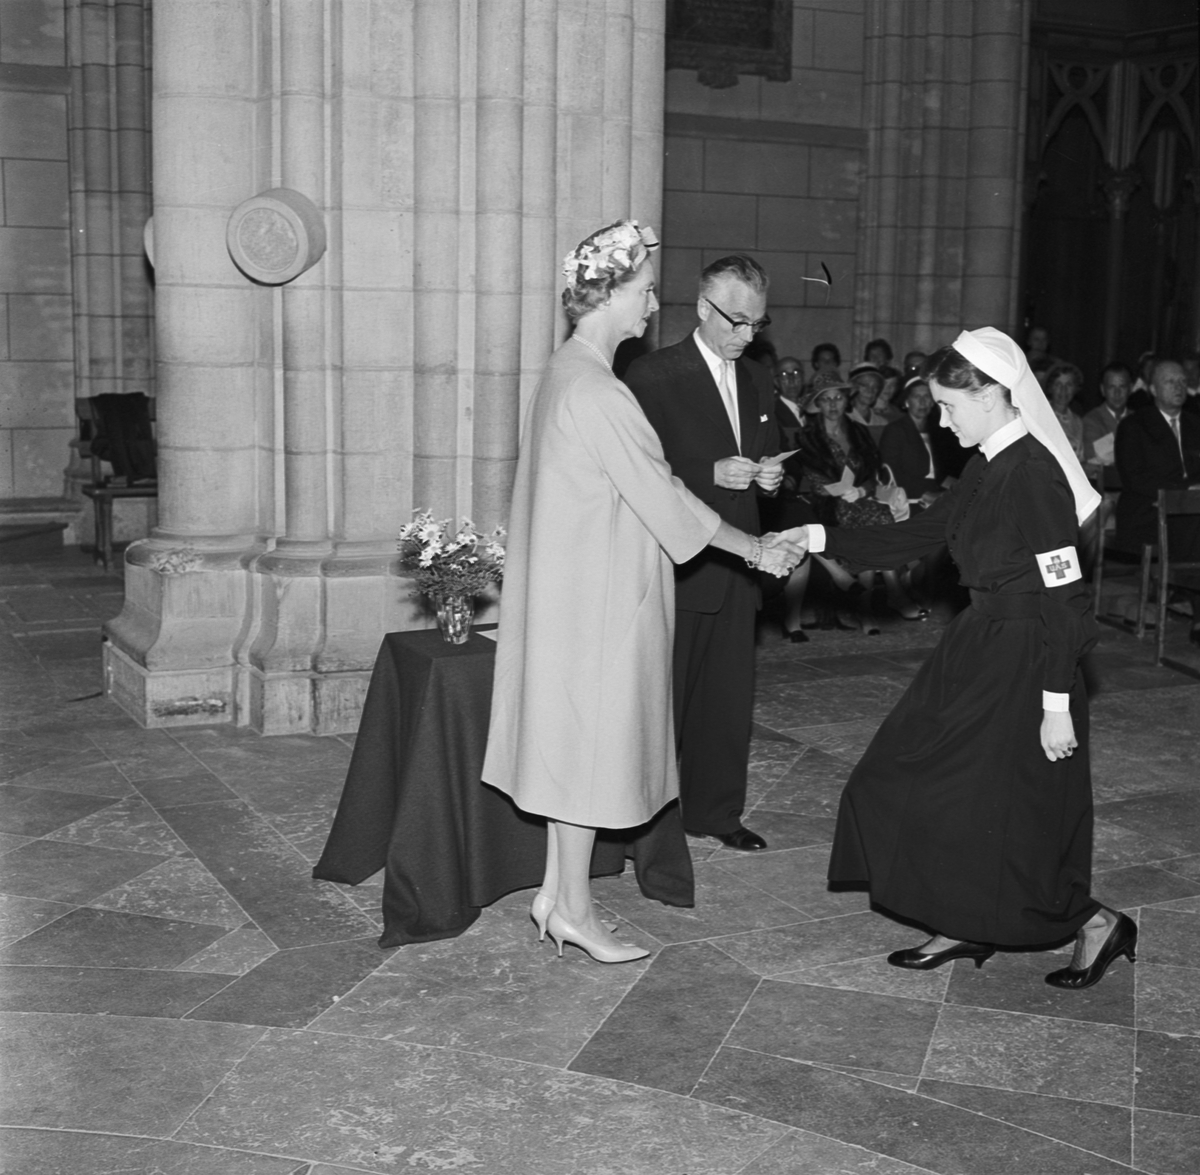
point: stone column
(944, 98)
(170, 656)
(456, 150)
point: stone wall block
(377, 329)
(38, 458)
(32, 32)
(379, 248)
(36, 394)
(32, 126)
(823, 96)
(708, 220)
(190, 248)
(34, 261)
(191, 480)
(204, 48)
(225, 181)
(35, 193)
(206, 323)
(837, 41)
(685, 95)
(809, 225)
(745, 166)
(377, 135)
(683, 163)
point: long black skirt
(954, 817)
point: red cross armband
(1059, 568)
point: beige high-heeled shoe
(543, 903)
(562, 931)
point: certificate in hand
(1104, 448)
(778, 459)
(838, 489)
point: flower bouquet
(451, 569)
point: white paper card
(1104, 447)
(778, 459)
(1060, 567)
(839, 489)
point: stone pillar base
(304, 703)
(174, 697)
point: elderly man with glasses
(714, 411)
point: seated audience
(913, 362)
(866, 383)
(1037, 352)
(826, 360)
(1100, 424)
(1062, 385)
(915, 449)
(1191, 369)
(1140, 397)
(1159, 448)
(789, 386)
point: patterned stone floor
(177, 996)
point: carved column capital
(1118, 187)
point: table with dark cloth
(413, 803)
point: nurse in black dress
(971, 811)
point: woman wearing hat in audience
(971, 811)
(914, 448)
(1063, 384)
(866, 403)
(581, 727)
(829, 447)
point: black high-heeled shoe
(915, 960)
(797, 636)
(1121, 940)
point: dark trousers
(714, 700)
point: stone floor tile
(796, 876)
(9, 842)
(64, 872)
(285, 792)
(877, 975)
(104, 991)
(921, 1131)
(383, 1106)
(1134, 886)
(126, 824)
(811, 786)
(34, 604)
(1169, 936)
(827, 1025)
(106, 938)
(119, 1074)
(35, 811)
(724, 905)
(879, 1076)
(265, 875)
(21, 916)
(799, 1152)
(238, 952)
(1114, 847)
(201, 786)
(45, 754)
(813, 944)
(835, 699)
(1168, 999)
(1033, 1054)
(668, 1027)
(1014, 981)
(178, 888)
(1172, 817)
(1168, 1073)
(783, 830)
(73, 645)
(846, 740)
(43, 1152)
(494, 989)
(290, 988)
(1165, 1144)
(1187, 866)
(1092, 1126)
(89, 773)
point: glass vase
(454, 615)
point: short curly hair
(587, 294)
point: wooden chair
(1177, 573)
(104, 490)
(1145, 553)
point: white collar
(1168, 417)
(715, 362)
(1013, 431)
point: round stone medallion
(275, 236)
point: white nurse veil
(993, 352)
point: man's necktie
(1178, 435)
(729, 395)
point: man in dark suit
(1158, 448)
(714, 412)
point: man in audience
(1159, 448)
(1100, 424)
(713, 411)
(913, 362)
(789, 384)
(826, 358)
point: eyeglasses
(741, 323)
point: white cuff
(816, 538)
(1059, 703)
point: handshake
(783, 550)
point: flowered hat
(619, 248)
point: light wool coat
(581, 727)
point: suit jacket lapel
(707, 395)
(749, 416)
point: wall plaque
(275, 236)
(722, 38)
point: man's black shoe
(742, 838)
